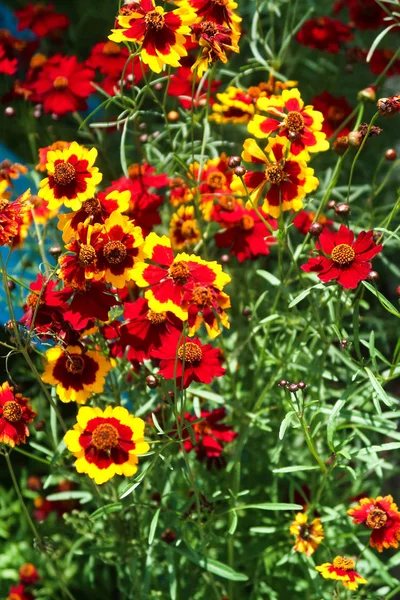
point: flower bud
(40, 425)
(368, 94)
(341, 144)
(331, 204)
(158, 86)
(11, 285)
(342, 209)
(373, 276)
(315, 229)
(9, 111)
(282, 383)
(398, 291)
(355, 139)
(143, 138)
(173, 115)
(234, 161)
(55, 251)
(301, 385)
(168, 536)
(239, 171)
(344, 343)
(391, 154)
(225, 258)
(293, 387)
(246, 312)
(152, 382)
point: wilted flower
(308, 536)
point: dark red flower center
(156, 318)
(294, 121)
(60, 82)
(105, 437)
(202, 296)
(4, 203)
(154, 20)
(274, 174)
(64, 173)
(111, 48)
(92, 206)
(343, 254)
(32, 300)
(216, 180)
(75, 364)
(12, 411)
(87, 255)
(209, 28)
(376, 518)
(187, 230)
(179, 271)
(340, 562)
(304, 532)
(246, 222)
(192, 353)
(115, 252)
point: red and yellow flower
(342, 569)
(308, 536)
(19, 592)
(15, 414)
(75, 373)
(183, 228)
(10, 171)
(189, 360)
(120, 248)
(28, 573)
(168, 277)
(214, 41)
(235, 106)
(161, 34)
(301, 125)
(12, 215)
(214, 182)
(206, 304)
(106, 443)
(72, 178)
(217, 11)
(80, 264)
(285, 178)
(383, 517)
(43, 160)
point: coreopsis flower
(284, 180)
(62, 85)
(80, 264)
(86, 305)
(10, 171)
(15, 414)
(304, 219)
(288, 117)
(110, 58)
(12, 214)
(343, 258)
(41, 19)
(325, 34)
(246, 234)
(190, 360)
(206, 304)
(308, 535)
(215, 41)
(144, 330)
(72, 178)
(19, 592)
(380, 60)
(44, 307)
(221, 12)
(106, 443)
(180, 192)
(382, 516)
(43, 160)
(183, 230)
(120, 248)
(160, 34)
(181, 86)
(365, 14)
(77, 374)
(342, 569)
(235, 106)
(168, 276)
(334, 110)
(8, 66)
(28, 573)
(210, 435)
(96, 209)
(214, 182)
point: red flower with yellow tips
(214, 40)
(120, 248)
(106, 443)
(382, 516)
(80, 264)
(161, 34)
(183, 228)
(76, 374)
(343, 258)
(217, 11)
(12, 214)
(342, 569)
(288, 117)
(283, 182)
(206, 304)
(189, 360)
(167, 277)
(72, 178)
(15, 414)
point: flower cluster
(28, 577)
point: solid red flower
(335, 111)
(210, 435)
(42, 20)
(190, 360)
(8, 66)
(342, 258)
(324, 33)
(28, 573)
(383, 517)
(15, 414)
(110, 58)
(304, 219)
(246, 234)
(144, 331)
(44, 307)
(380, 60)
(63, 85)
(19, 592)
(92, 303)
(364, 14)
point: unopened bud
(234, 161)
(373, 276)
(55, 251)
(173, 115)
(315, 229)
(239, 171)
(152, 382)
(368, 94)
(9, 111)
(391, 154)
(293, 387)
(342, 209)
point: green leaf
(153, 526)
(378, 39)
(331, 423)
(304, 294)
(211, 565)
(382, 448)
(71, 495)
(378, 388)
(295, 468)
(262, 530)
(285, 423)
(384, 301)
(269, 506)
(269, 277)
(106, 510)
(233, 524)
